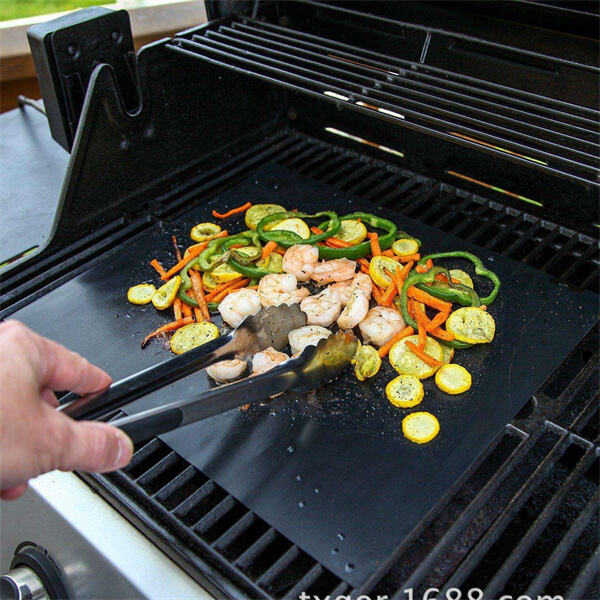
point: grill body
(492, 140)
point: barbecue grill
(478, 120)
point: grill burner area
(547, 457)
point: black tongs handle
(94, 406)
(155, 421)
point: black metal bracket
(65, 53)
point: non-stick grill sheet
(330, 470)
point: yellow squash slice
(366, 362)
(405, 246)
(209, 283)
(193, 335)
(405, 391)
(257, 212)
(406, 362)
(352, 231)
(224, 273)
(141, 294)
(453, 379)
(462, 277)
(297, 226)
(471, 324)
(204, 231)
(164, 296)
(377, 268)
(420, 427)
(273, 262)
(447, 354)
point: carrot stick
(238, 284)
(376, 294)
(442, 277)
(364, 270)
(437, 320)
(193, 252)
(424, 357)
(316, 230)
(268, 248)
(233, 211)
(442, 334)
(177, 309)
(375, 248)
(420, 317)
(389, 295)
(199, 295)
(363, 262)
(280, 250)
(177, 251)
(186, 309)
(158, 267)
(389, 252)
(429, 300)
(337, 243)
(410, 257)
(222, 287)
(167, 327)
(385, 349)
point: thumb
(93, 446)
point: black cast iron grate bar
(229, 536)
(562, 109)
(259, 546)
(468, 514)
(313, 88)
(305, 582)
(589, 573)
(377, 86)
(495, 586)
(560, 552)
(486, 542)
(280, 565)
(214, 514)
(540, 149)
(436, 90)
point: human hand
(34, 437)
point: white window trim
(151, 18)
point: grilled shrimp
(300, 260)
(339, 269)
(380, 325)
(358, 303)
(343, 290)
(322, 309)
(280, 288)
(226, 370)
(266, 360)
(235, 307)
(306, 336)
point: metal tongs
(314, 367)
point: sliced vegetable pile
(403, 304)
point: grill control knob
(22, 583)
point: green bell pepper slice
(289, 238)
(479, 269)
(361, 250)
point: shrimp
(238, 305)
(300, 260)
(266, 360)
(342, 289)
(280, 288)
(322, 309)
(339, 269)
(306, 336)
(226, 370)
(358, 303)
(380, 325)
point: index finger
(58, 368)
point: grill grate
(554, 136)
(526, 515)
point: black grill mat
(331, 470)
